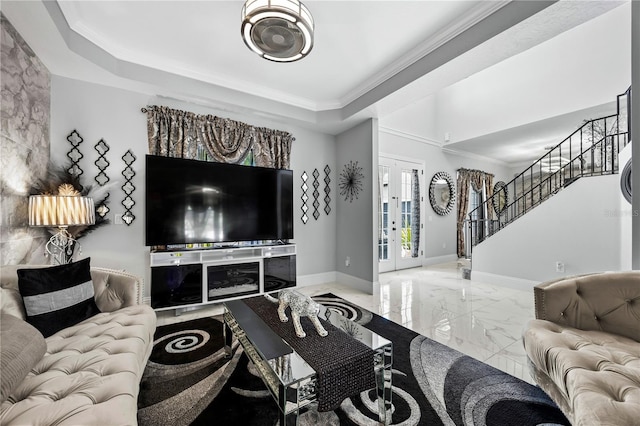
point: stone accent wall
(25, 85)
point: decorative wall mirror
(500, 197)
(625, 182)
(442, 194)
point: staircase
(592, 150)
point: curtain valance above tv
(183, 134)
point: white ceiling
(357, 43)
(369, 57)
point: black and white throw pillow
(57, 297)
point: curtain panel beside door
(478, 180)
(415, 214)
(183, 134)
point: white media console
(190, 278)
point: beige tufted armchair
(584, 346)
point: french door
(399, 214)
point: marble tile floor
(479, 319)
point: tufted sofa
(584, 346)
(90, 372)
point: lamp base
(61, 247)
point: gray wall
(357, 220)
(580, 226)
(98, 112)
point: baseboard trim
(355, 282)
(314, 279)
(338, 277)
(427, 261)
(503, 280)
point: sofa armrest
(116, 289)
(554, 289)
(608, 301)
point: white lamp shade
(57, 210)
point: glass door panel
(385, 236)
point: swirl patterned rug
(188, 381)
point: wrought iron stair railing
(592, 150)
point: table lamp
(61, 211)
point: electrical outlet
(347, 261)
(444, 245)
(559, 266)
(117, 219)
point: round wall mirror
(625, 182)
(500, 197)
(442, 195)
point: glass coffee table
(290, 379)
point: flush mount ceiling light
(277, 30)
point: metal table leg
(383, 361)
(228, 338)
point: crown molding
(474, 156)
(445, 150)
(437, 144)
(410, 136)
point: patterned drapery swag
(477, 179)
(176, 133)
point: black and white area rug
(189, 381)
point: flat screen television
(194, 202)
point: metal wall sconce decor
(74, 153)
(442, 194)
(316, 194)
(304, 197)
(128, 217)
(327, 190)
(625, 182)
(101, 163)
(101, 178)
(350, 181)
(500, 197)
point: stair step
(569, 181)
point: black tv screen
(192, 202)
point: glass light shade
(277, 30)
(57, 210)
